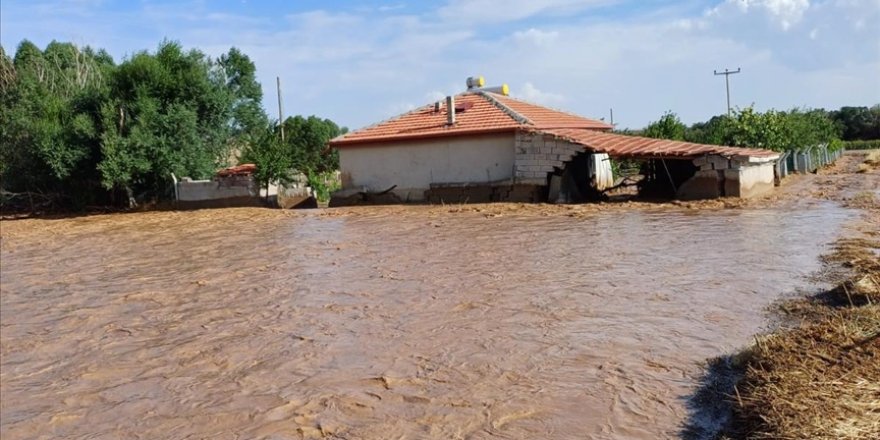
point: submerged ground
(486, 321)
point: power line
(727, 74)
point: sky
(359, 62)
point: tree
(668, 127)
(271, 156)
(307, 141)
(48, 134)
(170, 113)
(82, 130)
(858, 123)
(249, 120)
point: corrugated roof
(485, 113)
(619, 145)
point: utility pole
(280, 112)
(727, 74)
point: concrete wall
(725, 177)
(414, 165)
(751, 180)
(198, 190)
(220, 192)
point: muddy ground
(464, 321)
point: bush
(862, 145)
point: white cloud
(784, 13)
(360, 66)
(535, 36)
(492, 11)
(531, 93)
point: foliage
(324, 184)
(774, 130)
(271, 156)
(169, 112)
(668, 127)
(48, 126)
(307, 139)
(858, 123)
(78, 129)
(862, 145)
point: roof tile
(483, 112)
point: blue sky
(358, 62)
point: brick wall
(538, 154)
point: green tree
(858, 123)
(668, 127)
(272, 157)
(249, 120)
(307, 142)
(49, 132)
(170, 112)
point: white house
(483, 145)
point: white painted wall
(200, 190)
(414, 165)
(756, 179)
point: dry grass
(873, 158)
(872, 161)
(820, 380)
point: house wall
(415, 165)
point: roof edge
(343, 143)
(517, 117)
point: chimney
(450, 110)
(437, 107)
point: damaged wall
(539, 154)
(719, 176)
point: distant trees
(668, 127)
(80, 130)
(858, 123)
(774, 130)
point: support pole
(727, 74)
(668, 174)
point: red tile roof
(619, 145)
(478, 113)
(484, 112)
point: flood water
(385, 322)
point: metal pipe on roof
(503, 89)
(450, 110)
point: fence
(806, 160)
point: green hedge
(862, 145)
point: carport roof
(618, 145)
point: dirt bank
(818, 377)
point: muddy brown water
(385, 323)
